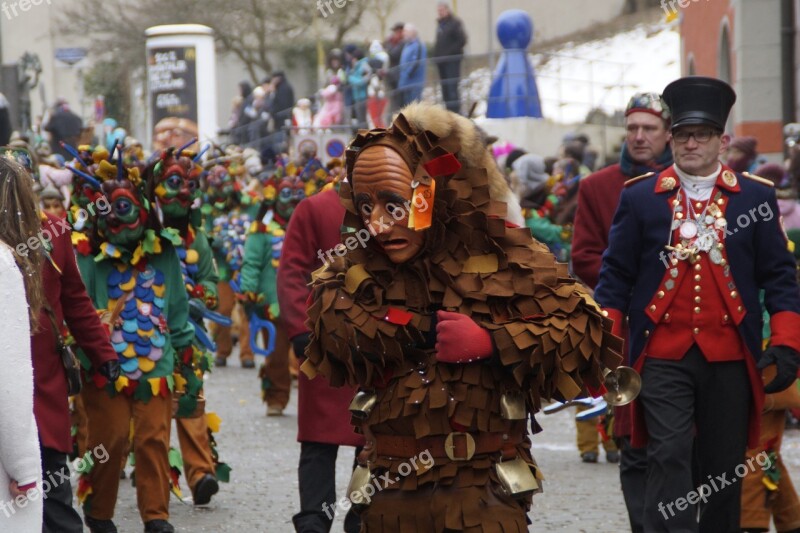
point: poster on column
(172, 83)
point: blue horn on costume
(185, 146)
(86, 177)
(201, 153)
(72, 151)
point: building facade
(753, 45)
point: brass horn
(623, 385)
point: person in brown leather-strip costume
(453, 322)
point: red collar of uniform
(668, 180)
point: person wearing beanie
(690, 251)
(742, 154)
(645, 149)
(52, 202)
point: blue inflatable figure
(513, 92)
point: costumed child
(453, 323)
(227, 214)
(258, 278)
(173, 186)
(135, 280)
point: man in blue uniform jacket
(689, 251)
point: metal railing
(595, 93)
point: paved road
(262, 495)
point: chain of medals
(698, 233)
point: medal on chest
(697, 227)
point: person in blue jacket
(412, 66)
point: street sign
(70, 56)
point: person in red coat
(323, 417)
(645, 149)
(67, 298)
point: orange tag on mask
(421, 214)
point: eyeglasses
(700, 136)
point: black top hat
(699, 100)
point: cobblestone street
(263, 452)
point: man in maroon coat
(67, 298)
(645, 149)
(323, 416)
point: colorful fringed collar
(149, 245)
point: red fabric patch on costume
(189, 238)
(130, 388)
(398, 316)
(186, 355)
(164, 392)
(445, 165)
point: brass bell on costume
(516, 478)
(362, 404)
(358, 481)
(512, 406)
(623, 384)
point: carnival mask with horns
(176, 181)
(121, 188)
(222, 190)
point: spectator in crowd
(330, 114)
(283, 99)
(20, 467)
(5, 121)
(576, 146)
(449, 51)
(64, 125)
(376, 92)
(394, 47)
(334, 74)
(357, 79)
(239, 133)
(280, 109)
(347, 62)
(412, 66)
(743, 154)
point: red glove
(460, 340)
